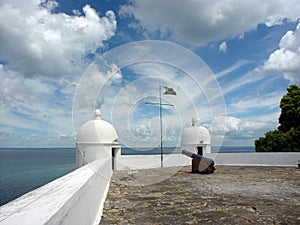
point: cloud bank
(42, 55)
(201, 21)
(286, 59)
(36, 41)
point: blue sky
(229, 63)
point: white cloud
(36, 41)
(223, 47)
(39, 51)
(34, 107)
(201, 21)
(243, 104)
(232, 68)
(115, 73)
(247, 79)
(97, 89)
(244, 131)
(286, 59)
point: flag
(169, 91)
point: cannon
(200, 164)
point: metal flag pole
(161, 128)
(161, 138)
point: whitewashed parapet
(152, 161)
(256, 158)
(76, 198)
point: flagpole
(160, 119)
(161, 138)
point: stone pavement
(232, 195)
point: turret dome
(97, 131)
(195, 134)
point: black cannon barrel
(196, 156)
(191, 155)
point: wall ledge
(76, 198)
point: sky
(230, 62)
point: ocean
(25, 169)
(177, 150)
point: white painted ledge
(76, 198)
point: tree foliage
(290, 109)
(287, 137)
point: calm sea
(25, 169)
(172, 150)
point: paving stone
(232, 195)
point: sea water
(25, 169)
(177, 150)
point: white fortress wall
(256, 158)
(151, 161)
(246, 159)
(76, 198)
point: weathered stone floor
(232, 195)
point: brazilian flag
(169, 91)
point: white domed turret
(96, 139)
(97, 131)
(196, 138)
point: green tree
(287, 137)
(290, 109)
